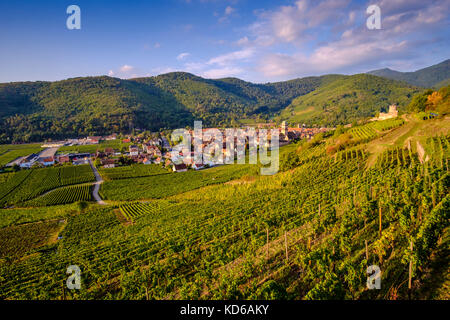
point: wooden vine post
(380, 218)
(410, 267)
(267, 233)
(367, 251)
(286, 246)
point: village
(116, 150)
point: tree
(419, 102)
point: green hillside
(434, 76)
(348, 99)
(102, 105)
(83, 106)
(224, 101)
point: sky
(254, 40)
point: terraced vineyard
(363, 133)
(387, 124)
(63, 196)
(133, 210)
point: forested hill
(434, 76)
(348, 99)
(34, 111)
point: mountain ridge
(35, 111)
(431, 76)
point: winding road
(97, 184)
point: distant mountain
(435, 76)
(33, 111)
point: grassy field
(10, 152)
(133, 171)
(115, 144)
(18, 216)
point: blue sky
(258, 41)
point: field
(18, 216)
(19, 240)
(92, 148)
(363, 133)
(387, 124)
(133, 171)
(63, 196)
(28, 184)
(160, 186)
(308, 232)
(132, 211)
(10, 152)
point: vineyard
(18, 240)
(63, 196)
(363, 133)
(29, 184)
(133, 210)
(133, 171)
(308, 232)
(387, 124)
(18, 216)
(163, 185)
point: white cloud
(126, 72)
(163, 70)
(126, 68)
(222, 72)
(183, 56)
(313, 37)
(243, 41)
(232, 57)
(346, 44)
(291, 24)
(228, 12)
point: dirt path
(99, 179)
